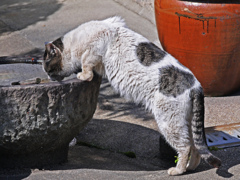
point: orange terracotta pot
(205, 37)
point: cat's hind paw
(174, 171)
(85, 77)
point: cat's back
(96, 26)
(93, 31)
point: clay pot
(205, 37)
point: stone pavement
(118, 126)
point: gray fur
(198, 127)
(149, 53)
(53, 59)
(198, 116)
(58, 43)
(174, 82)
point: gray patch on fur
(148, 53)
(174, 82)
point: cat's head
(53, 60)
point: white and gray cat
(142, 72)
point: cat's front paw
(85, 77)
(175, 171)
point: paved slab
(39, 21)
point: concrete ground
(118, 126)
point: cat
(143, 73)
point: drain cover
(223, 136)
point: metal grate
(223, 136)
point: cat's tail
(198, 132)
(116, 21)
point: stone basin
(38, 121)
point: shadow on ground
(18, 72)
(17, 15)
(103, 144)
(106, 145)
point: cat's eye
(53, 53)
(51, 71)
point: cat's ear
(51, 48)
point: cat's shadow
(230, 159)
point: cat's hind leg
(176, 134)
(171, 117)
(194, 160)
(181, 164)
(183, 156)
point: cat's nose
(52, 79)
(56, 78)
